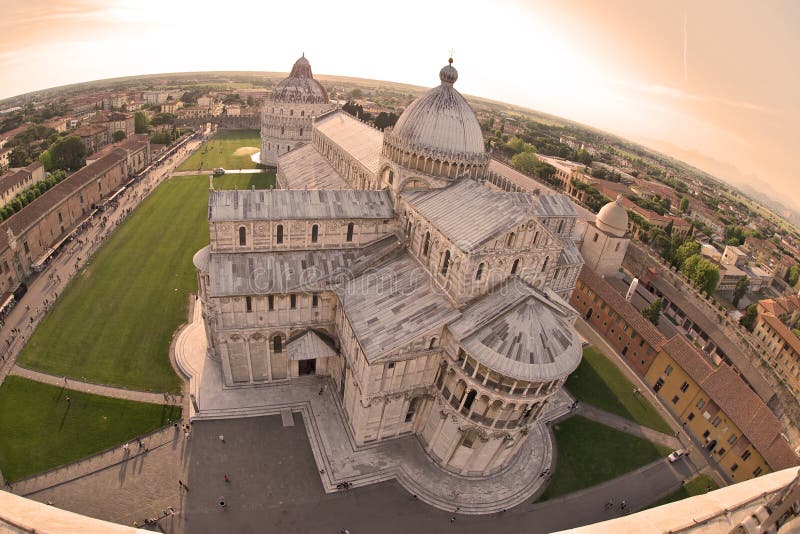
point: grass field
(221, 151)
(590, 453)
(42, 431)
(696, 486)
(600, 383)
(114, 322)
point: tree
(384, 120)
(740, 290)
(683, 206)
(702, 273)
(118, 136)
(793, 275)
(356, 93)
(140, 122)
(652, 311)
(161, 138)
(68, 153)
(689, 248)
(163, 118)
(748, 320)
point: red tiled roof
(625, 309)
(687, 356)
(783, 331)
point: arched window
(510, 240)
(279, 234)
(314, 233)
(432, 343)
(391, 177)
(544, 265)
(470, 399)
(560, 227)
(302, 114)
(291, 113)
(479, 272)
(515, 266)
(301, 132)
(277, 344)
(283, 130)
(616, 247)
(594, 239)
(412, 408)
(536, 238)
(242, 236)
(350, 227)
(446, 262)
(426, 245)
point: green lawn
(114, 322)
(221, 151)
(41, 431)
(697, 486)
(600, 383)
(590, 453)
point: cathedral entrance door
(308, 367)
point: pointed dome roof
(441, 124)
(300, 86)
(613, 218)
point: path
(227, 171)
(626, 425)
(97, 389)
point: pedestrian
(65, 380)
(226, 478)
(453, 519)
(171, 510)
(623, 505)
(222, 502)
(320, 390)
(222, 438)
(69, 401)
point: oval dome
(441, 122)
(300, 86)
(613, 218)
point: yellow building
(737, 429)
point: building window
(510, 240)
(413, 406)
(701, 403)
(301, 132)
(293, 301)
(314, 233)
(242, 236)
(732, 439)
(446, 262)
(470, 399)
(675, 399)
(721, 452)
(616, 248)
(248, 304)
(734, 467)
(271, 302)
(544, 265)
(391, 177)
(746, 455)
(757, 471)
(515, 266)
(469, 439)
(479, 272)
(715, 423)
(350, 227)
(279, 234)
(691, 416)
(314, 301)
(560, 227)
(706, 434)
(432, 343)
(277, 344)
(684, 387)
(426, 245)
(668, 370)
(596, 236)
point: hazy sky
(713, 82)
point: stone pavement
(88, 387)
(626, 425)
(337, 456)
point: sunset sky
(715, 83)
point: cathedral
(402, 265)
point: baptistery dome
(300, 86)
(613, 218)
(442, 127)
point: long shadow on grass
(588, 386)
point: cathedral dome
(300, 86)
(441, 125)
(613, 218)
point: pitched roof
(283, 204)
(470, 214)
(309, 346)
(553, 205)
(625, 309)
(263, 273)
(751, 415)
(393, 304)
(690, 360)
(306, 168)
(361, 141)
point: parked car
(219, 171)
(674, 456)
